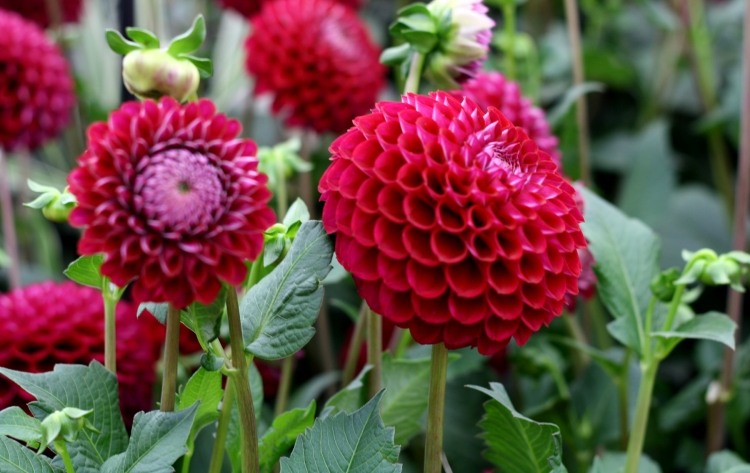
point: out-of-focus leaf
(614, 462)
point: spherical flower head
(492, 89)
(172, 196)
(453, 223)
(38, 12)
(466, 42)
(248, 8)
(317, 59)
(36, 88)
(154, 73)
(48, 323)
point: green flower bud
(663, 284)
(154, 73)
(65, 424)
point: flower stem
(509, 14)
(242, 387)
(642, 407)
(574, 35)
(356, 344)
(404, 340)
(673, 307)
(415, 74)
(217, 455)
(62, 450)
(622, 391)
(716, 414)
(9, 226)
(375, 351)
(287, 370)
(171, 353)
(110, 328)
(436, 409)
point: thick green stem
(110, 328)
(217, 455)
(574, 35)
(415, 74)
(622, 394)
(171, 353)
(673, 307)
(509, 17)
(642, 407)
(62, 450)
(9, 226)
(249, 443)
(580, 358)
(187, 458)
(375, 351)
(287, 370)
(436, 409)
(352, 355)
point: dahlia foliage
(452, 224)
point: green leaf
(396, 55)
(297, 212)
(313, 389)
(119, 44)
(710, 326)
(726, 462)
(190, 40)
(282, 434)
(204, 65)
(205, 320)
(142, 36)
(278, 313)
(158, 440)
(626, 254)
(83, 387)
(85, 270)
(4, 259)
(517, 444)
(203, 387)
(157, 309)
(555, 116)
(15, 458)
(14, 422)
(614, 462)
(345, 443)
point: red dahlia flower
(317, 58)
(36, 88)
(248, 8)
(452, 222)
(37, 10)
(173, 198)
(492, 89)
(48, 323)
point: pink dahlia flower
(317, 59)
(49, 323)
(248, 8)
(172, 196)
(492, 89)
(453, 223)
(37, 10)
(36, 88)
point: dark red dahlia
(317, 58)
(452, 222)
(48, 323)
(173, 198)
(492, 89)
(36, 88)
(38, 12)
(248, 8)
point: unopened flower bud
(65, 424)
(154, 73)
(663, 284)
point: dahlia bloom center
(180, 190)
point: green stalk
(249, 454)
(415, 73)
(403, 343)
(375, 351)
(171, 353)
(674, 305)
(110, 328)
(580, 358)
(509, 14)
(287, 370)
(638, 434)
(574, 35)
(622, 394)
(9, 225)
(217, 455)
(353, 354)
(62, 450)
(436, 409)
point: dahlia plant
(449, 233)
